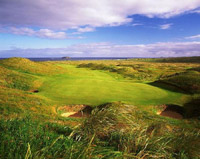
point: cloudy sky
(99, 28)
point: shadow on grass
(169, 87)
(195, 69)
(192, 108)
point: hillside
(27, 66)
(99, 109)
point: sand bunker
(67, 114)
(76, 111)
(172, 111)
(34, 91)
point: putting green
(85, 86)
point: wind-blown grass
(27, 66)
(113, 130)
(136, 135)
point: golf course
(94, 87)
(123, 109)
(100, 79)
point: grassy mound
(16, 103)
(28, 66)
(16, 84)
(137, 71)
(13, 79)
(140, 71)
(188, 81)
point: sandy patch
(67, 114)
(76, 111)
(172, 111)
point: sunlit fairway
(84, 86)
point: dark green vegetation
(32, 125)
(195, 59)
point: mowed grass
(94, 87)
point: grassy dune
(30, 67)
(125, 96)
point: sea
(75, 58)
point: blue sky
(106, 28)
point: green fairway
(84, 86)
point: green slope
(84, 86)
(31, 126)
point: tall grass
(134, 136)
(27, 66)
(113, 130)
(24, 137)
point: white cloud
(137, 24)
(169, 49)
(196, 11)
(193, 37)
(166, 26)
(42, 33)
(21, 31)
(84, 30)
(65, 14)
(46, 33)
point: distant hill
(26, 65)
(66, 58)
(195, 59)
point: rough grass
(113, 130)
(16, 103)
(136, 134)
(195, 59)
(17, 135)
(27, 66)
(139, 71)
(13, 79)
(188, 81)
